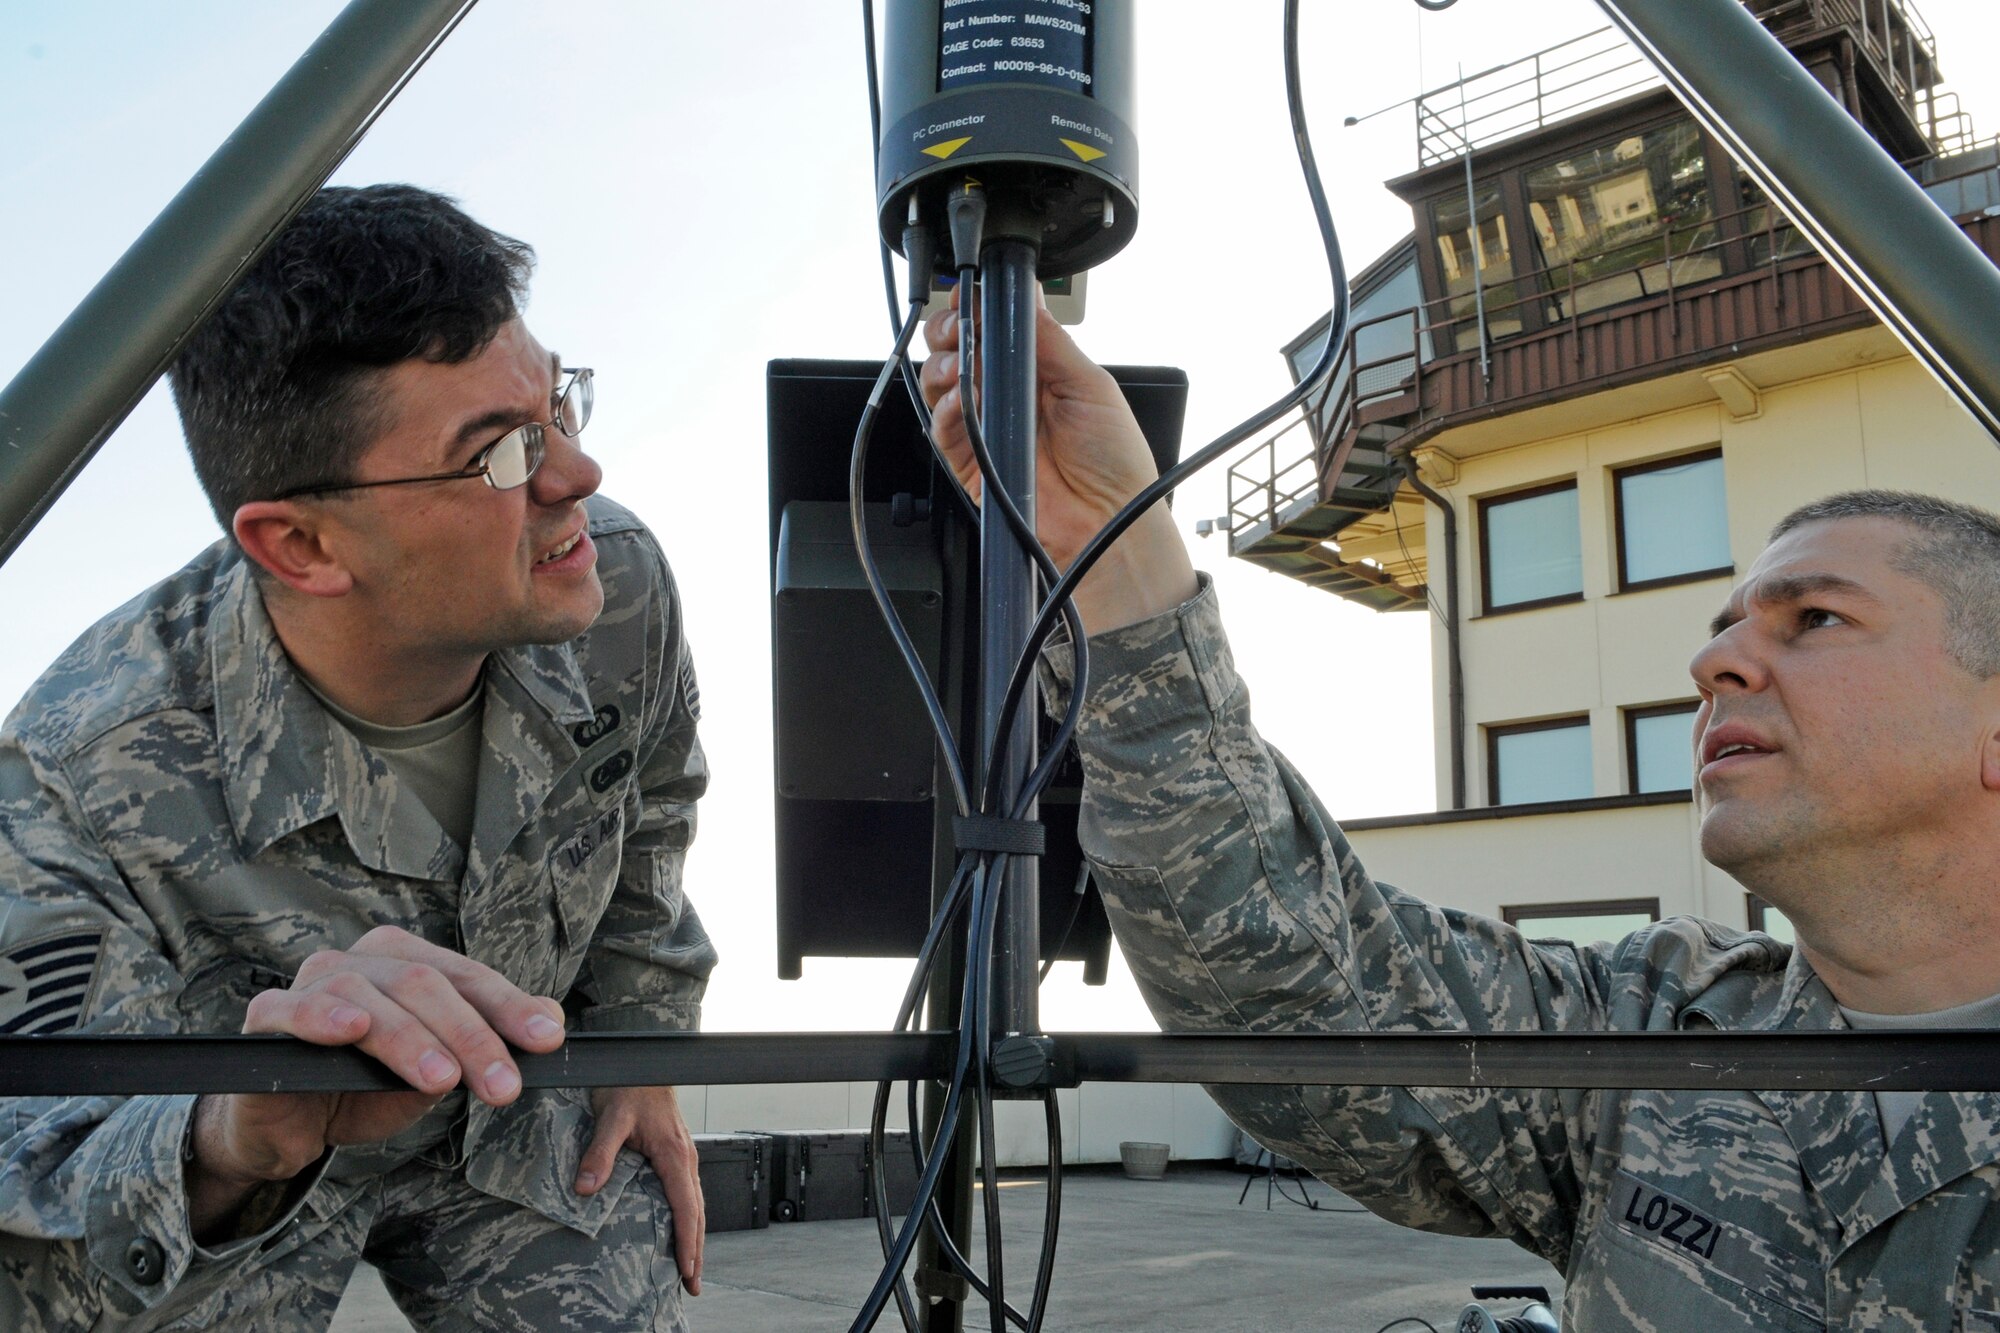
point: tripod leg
(1249, 1180)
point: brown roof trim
(1529, 810)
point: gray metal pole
(1908, 261)
(1007, 586)
(107, 355)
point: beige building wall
(1489, 865)
(1840, 413)
(1096, 1117)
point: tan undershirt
(1897, 1107)
(438, 760)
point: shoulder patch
(45, 983)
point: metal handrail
(1550, 89)
(1547, 86)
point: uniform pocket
(1653, 1252)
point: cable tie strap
(991, 833)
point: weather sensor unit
(1029, 101)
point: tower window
(1531, 548)
(1673, 521)
(1528, 762)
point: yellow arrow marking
(941, 151)
(1083, 150)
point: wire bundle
(974, 889)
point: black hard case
(822, 1175)
(735, 1180)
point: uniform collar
(286, 764)
(271, 734)
(1836, 1135)
(548, 674)
(537, 700)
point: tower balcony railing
(1705, 291)
(1473, 113)
(1525, 95)
(1892, 32)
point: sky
(695, 178)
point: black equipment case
(735, 1180)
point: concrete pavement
(1148, 1256)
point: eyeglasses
(509, 461)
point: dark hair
(1954, 549)
(275, 388)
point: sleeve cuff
(136, 1230)
(1150, 671)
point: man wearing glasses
(409, 764)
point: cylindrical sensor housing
(1031, 99)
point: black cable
(1059, 594)
(1337, 328)
(980, 954)
(975, 1010)
(959, 494)
(857, 517)
(925, 1206)
(955, 898)
(918, 281)
(1408, 1318)
(887, 1281)
(1051, 1212)
(954, 768)
(975, 1006)
(890, 1282)
(1435, 5)
(975, 436)
(979, 1014)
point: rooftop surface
(1178, 1253)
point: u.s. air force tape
(991, 833)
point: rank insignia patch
(44, 983)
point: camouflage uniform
(1240, 906)
(181, 825)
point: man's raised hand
(1090, 459)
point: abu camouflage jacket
(1241, 906)
(181, 825)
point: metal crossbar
(1960, 1061)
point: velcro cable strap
(991, 833)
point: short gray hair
(1954, 550)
